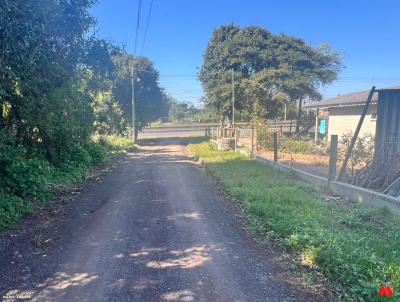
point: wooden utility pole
(233, 98)
(353, 140)
(133, 106)
(299, 111)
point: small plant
(39, 242)
(296, 146)
(320, 148)
(362, 153)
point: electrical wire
(137, 26)
(147, 25)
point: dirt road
(156, 228)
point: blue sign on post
(322, 126)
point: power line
(133, 77)
(137, 26)
(147, 25)
(179, 76)
(183, 75)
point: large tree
(150, 101)
(43, 46)
(264, 65)
(100, 74)
(303, 69)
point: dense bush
(12, 208)
(97, 153)
(26, 179)
(29, 179)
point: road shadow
(159, 231)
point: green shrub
(12, 208)
(29, 178)
(75, 155)
(296, 146)
(9, 155)
(25, 177)
(97, 152)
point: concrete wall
(354, 193)
(344, 119)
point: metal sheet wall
(387, 136)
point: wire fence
(302, 153)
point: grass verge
(355, 247)
(27, 180)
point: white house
(345, 111)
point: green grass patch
(117, 144)
(26, 179)
(208, 152)
(357, 248)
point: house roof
(346, 100)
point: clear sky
(366, 33)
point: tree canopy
(264, 65)
(59, 84)
(150, 101)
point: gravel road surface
(155, 228)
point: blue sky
(366, 33)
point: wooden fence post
(333, 157)
(275, 147)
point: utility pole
(284, 118)
(316, 125)
(133, 74)
(133, 106)
(233, 98)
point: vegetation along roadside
(27, 179)
(355, 247)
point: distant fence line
(269, 143)
(287, 126)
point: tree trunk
(136, 134)
(299, 113)
(1, 116)
(222, 121)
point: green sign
(322, 127)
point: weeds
(355, 247)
